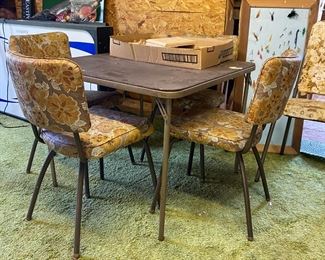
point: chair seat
(306, 109)
(215, 127)
(207, 98)
(105, 98)
(110, 130)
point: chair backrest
(312, 79)
(50, 92)
(273, 88)
(44, 45)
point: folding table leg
(164, 175)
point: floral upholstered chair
(51, 46)
(237, 132)
(311, 81)
(51, 95)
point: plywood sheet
(177, 17)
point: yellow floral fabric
(274, 86)
(207, 98)
(110, 130)
(215, 127)
(56, 45)
(50, 92)
(306, 109)
(44, 45)
(312, 79)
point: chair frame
(241, 164)
(83, 181)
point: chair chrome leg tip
(250, 238)
(75, 256)
(257, 179)
(161, 238)
(28, 218)
(152, 211)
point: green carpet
(203, 221)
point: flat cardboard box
(207, 52)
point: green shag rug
(203, 220)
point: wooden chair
(51, 95)
(237, 132)
(56, 45)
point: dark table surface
(154, 79)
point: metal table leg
(166, 113)
(246, 88)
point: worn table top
(154, 79)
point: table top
(154, 79)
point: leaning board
(194, 17)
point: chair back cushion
(312, 79)
(44, 45)
(50, 92)
(274, 85)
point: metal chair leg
(143, 151)
(150, 120)
(236, 167)
(31, 156)
(87, 190)
(266, 148)
(53, 172)
(202, 170)
(156, 197)
(262, 173)
(246, 198)
(38, 184)
(190, 159)
(285, 137)
(101, 169)
(150, 162)
(81, 177)
(131, 155)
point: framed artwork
(267, 29)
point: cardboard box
(206, 52)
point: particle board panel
(193, 17)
